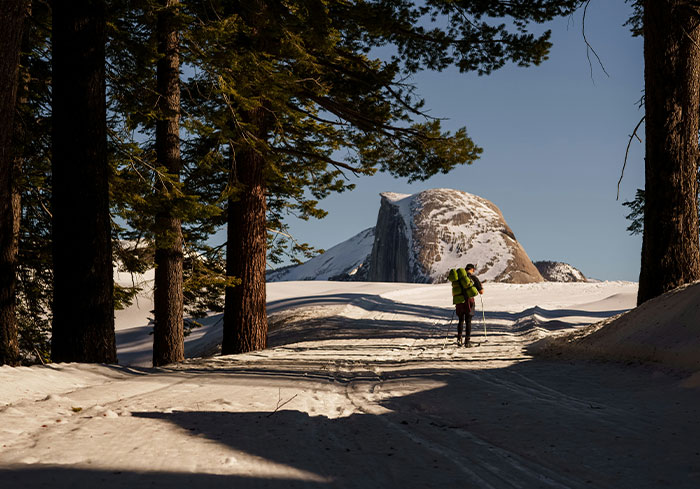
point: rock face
(556, 271)
(390, 260)
(419, 237)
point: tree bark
(83, 304)
(12, 15)
(245, 316)
(671, 247)
(168, 335)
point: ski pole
(448, 330)
(483, 317)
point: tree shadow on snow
(525, 426)
(391, 320)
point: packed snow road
(364, 387)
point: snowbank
(663, 330)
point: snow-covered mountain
(342, 262)
(418, 238)
(556, 271)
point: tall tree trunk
(168, 335)
(12, 15)
(83, 304)
(245, 317)
(671, 249)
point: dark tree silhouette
(12, 15)
(670, 247)
(83, 304)
(168, 333)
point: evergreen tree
(83, 304)
(168, 333)
(156, 190)
(32, 146)
(284, 87)
(12, 16)
(670, 246)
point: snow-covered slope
(662, 331)
(343, 261)
(556, 271)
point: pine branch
(338, 164)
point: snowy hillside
(556, 271)
(663, 331)
(342, 261)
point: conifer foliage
(213, 113)
(32, 154)
(285, 86)
(12, 16)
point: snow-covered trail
(361, 390)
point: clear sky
(554, 142)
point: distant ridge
(556, 271)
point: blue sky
(554, 142)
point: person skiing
(465, 286)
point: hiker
(465, 286)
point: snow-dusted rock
(556, 271)
(419, 237)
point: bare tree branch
(632, 136)
(589, 48)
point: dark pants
(465, 311)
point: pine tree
(156, 192)
(83, 304)
(12, 16)
(32, 148)
(670, 246)
(286, 86)
(168, 333)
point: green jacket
(462, 286)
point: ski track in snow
(363, 387)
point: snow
(134, 314)
(487, 249)
(343, 258)
(362, 387)
(663, 330)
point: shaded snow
(663, 330)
